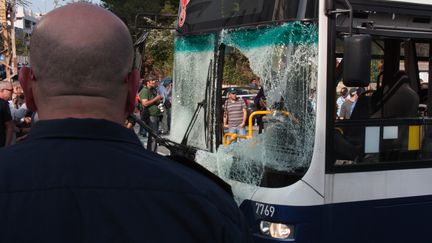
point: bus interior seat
(398, 100)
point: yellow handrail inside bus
(234, 136)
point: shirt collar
(97, 129)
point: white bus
(310, 176)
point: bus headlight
(277, 230)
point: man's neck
(87, 107)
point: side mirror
(357, 60)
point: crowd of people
(154, 105)
(15, 118)
(347, 102)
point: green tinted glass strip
(289, 33)
(195, 43)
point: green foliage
(237, 69)
(168, 8)
(158, 58)
(375, 69)
(159, 54)
(376, 64)
(127, 10)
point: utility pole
(12, 15)
(7, 33)
(4, 34)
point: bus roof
(204, 15)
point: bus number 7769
(264, 209)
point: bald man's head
(81, 49)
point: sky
(43, 6)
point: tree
(7, 15)
(160, 44)
(158, 57)
(127, 10)
(237, 69)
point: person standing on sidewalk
(151, 113)
(235, 113)
(6, 123)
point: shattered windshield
(284, 57)
(193, 60)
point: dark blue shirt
(86, 180)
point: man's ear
(132, 81)
(26, 79)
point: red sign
(182, 17)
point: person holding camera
(151, 113)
